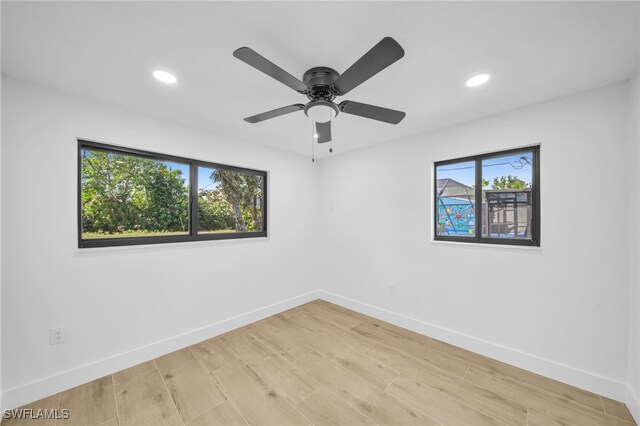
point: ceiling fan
(323, 84)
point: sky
(512, 165)
(203, 178)
(203, 174)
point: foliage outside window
(131, 197)
(491, 198)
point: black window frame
(478, 238)
(193, 234)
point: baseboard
(595, 383)
(24, 394)
(633, 403)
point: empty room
(320, 213)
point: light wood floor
(324, 364)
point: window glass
(125, 196)
(507, 185)
(455, 198)
(229, 201)
(507, 200)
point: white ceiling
(108, 50)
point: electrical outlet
(392, 289)
(58, 335)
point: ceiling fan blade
(323, 130)
(371, 111)
(274, 113)
(261, 63)
(383, 54)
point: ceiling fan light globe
(321, 113)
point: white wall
(1, 406)
(118, 300)
(560, 310)
(565, 314)
(633, 398)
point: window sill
(489, 246)
(168, 246)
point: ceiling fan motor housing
(319, 81)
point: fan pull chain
(313, 145)
(331, 141)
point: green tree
(167, 201)
(253, 200)
(124, 193)
(485, 183)
(131, 194)
(243, 192)
(215, 212)
(508, 182)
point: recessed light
(165, 77)
(478, 80)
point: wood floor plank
(561, 389)
(223, 414)
(317, 333)
(290, 381)
(497, 406)
(353, 314)
(190, 386)
(307, 321)
(388, 330)
(293, 315)
(128, 373)
(89, 404)
(334, 343)
(536, 418)
(279, 340)
(327, 364)
(255, 399)
(335, 317)
(372, 370)
(49, 404)
(144, 400)
(415, 349)
(546, 402)
(362, 395)
(460, 353)
(617, 409)
(287, 321)
(213, 354)
(437, 405)
(298, 322)
(111, 422)
(250, 349)
(323, 407)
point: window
(229, 201)
(128, 197)
(506, 184)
